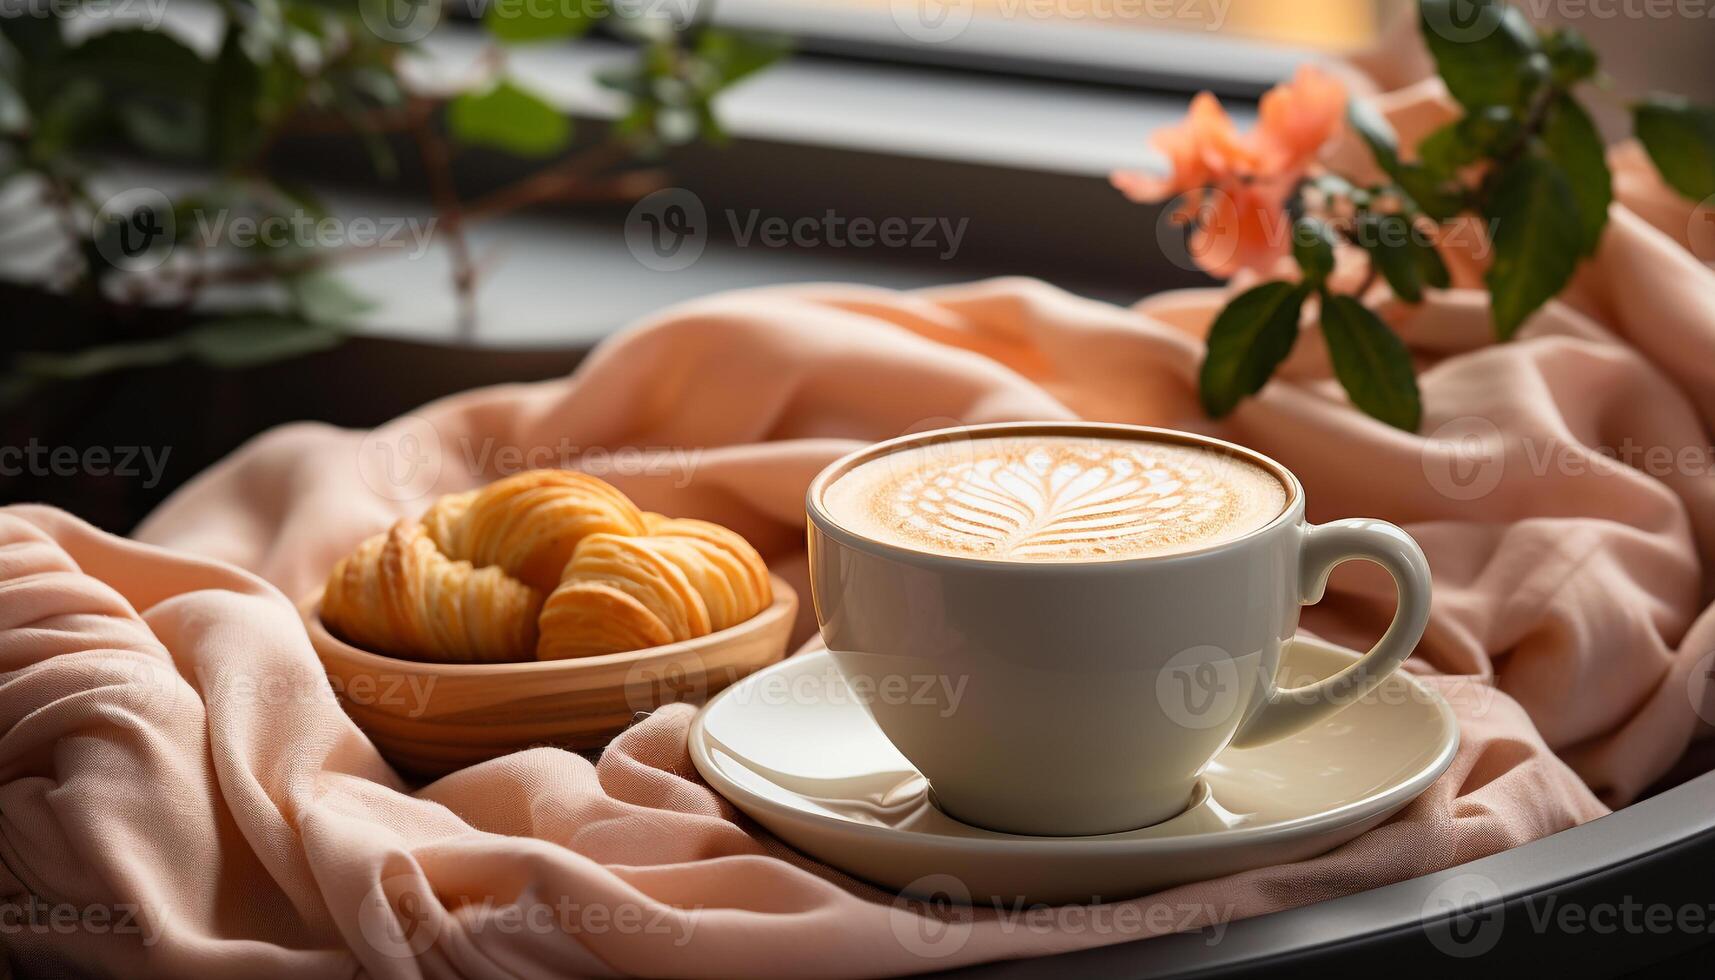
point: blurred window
(1332, 25)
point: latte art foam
(1055, 498)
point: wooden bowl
(432, 718)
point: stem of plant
(554, 183)
(1344, 230)
(437, 163)
(1535, 120)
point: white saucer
(791, 747)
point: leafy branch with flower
(1523, 157)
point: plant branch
(569, 176)
(437, 164)
(1534, 123)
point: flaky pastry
(551, 562)
(397, 593)
(530, 524)
(684, 579)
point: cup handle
(1326, 545)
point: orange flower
(1236, 184)
(1294, 120)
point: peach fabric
(173, 756)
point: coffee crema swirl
(1045, 498)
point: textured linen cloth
(174, 763)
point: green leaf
(1577, 147)
(1570, 56)
(626, 80)
(734, 55)
(69, 115)
(234, 122)
(1446, 149)
(1372, 364)
(301, 197)
(325, 298)
(1483, 50)
(281, 88)
(1313, 247)
(233, 342)
(57, 366)
(176, 133)
(1428, 189)
(1430, 266)
(14, 114)
(309, 20)
(1430, 193)
(154, 86)
(1464, 141)
(526, 22)
(1391, 243)
(1538, 238)
(1680, 138)
(1368, 122)
(509, 118)
(1247, 342)
(376, 83)
(134, 60)
(247, 341)
(42, 37)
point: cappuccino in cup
(1055, 498)
(1111, 601)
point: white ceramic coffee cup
(1081, 698)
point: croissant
(530, 524)
(397, 593)
(726, 571)
(467, 582)
(685, 578)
